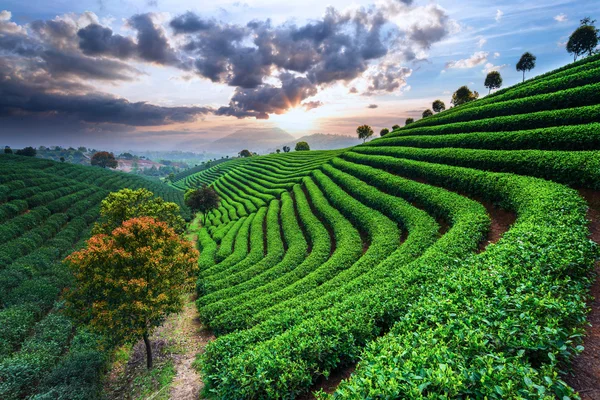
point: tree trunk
(148, 351)
(523, 75)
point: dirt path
(192, 338)
(585, 377)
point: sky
(157, 74)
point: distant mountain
(256, 140)
(322, 141)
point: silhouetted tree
(493, 80)
(204, 200)
(384, 132)
(409, 121)
(438, 106)
(302, 146)
(364, 132)
(463, 95)
(27, 151)
(395, 127)
(278, 151)
(245, 153)
(286, 149)
(7, 150)
(104, 159)
(427, 113)
(526, 63)
(584, 39)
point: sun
(296, 120)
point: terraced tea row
(381, 255)
(46, 211)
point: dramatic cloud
(152, 45)
(95, 40)
(387, 78)
(269, 99)
(476, 59)
(310, 105)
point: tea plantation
(47, 209)
(378, 255)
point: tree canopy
(27, 152)
(7, 150)
(384, 132)
(409, 121)
(395, 127)
(245, 153)
(463, 95)
(127, 282)
(203, 199)
(364, 132)
(302, 146)
(127, 203)
(526, 63)
(584, 39)
(438, 106)
(493, 80)
(286, 149)
(104, 159)
(427, 113)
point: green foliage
(409, 121)
(302, 146)
(364, 132)
(438, 106)
(584, 39)
(125, 204)
(395, 127)
(104, 159)
(463, 95)
(427, 113)
(526, 63)
(27, 151)
(384, 132)
(245, 153)
(493, 80)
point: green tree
(245, 153)
(302, 146)
(126, 204)
(438, 106)
(427, 113)
(7, 150)
(204, 200)
(584, 39)
(364, 132)
(409, 121)
(526, 63)
(62, 159)
(395, 127)
(384, 132)
(104, 159)
(286, 149)
(463, 95)
(493, 80)
(27, 152)
(127, 282)
(278, 151)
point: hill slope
(46, 211)
(383, 253)
(322, 141)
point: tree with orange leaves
(128, 281)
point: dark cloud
(152, 43)
(190, 23)
(269, 99)
(372, 106)
(95, 39)
(310, 105)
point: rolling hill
(256, 140)
(322, 141)
(450, 259)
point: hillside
(450, 259)
(256, 140)
(322, 141)
(47, 209)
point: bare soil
(501, 221)
(330, 384)
(585, 376)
